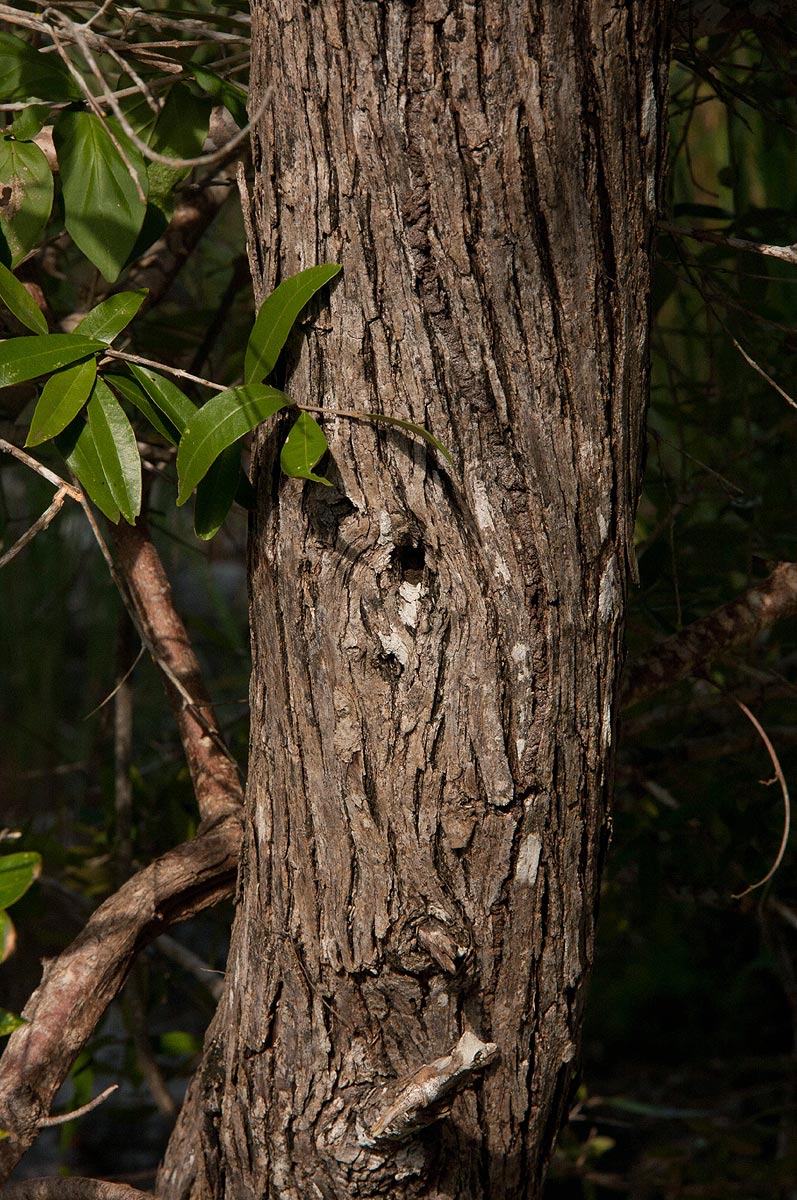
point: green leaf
(166, 396)
(26, 191)
(224, 419)
(8, 1023)
(76, 444)
(276, 318)
(303, 447)
(27, 74)
(221, 91)
(216, 492)
(26, 358)
(29, 121)
(103, 209)
(108, 319)
(411, 427)
(179, 132)
(116, 446)
(19, 301)
(62, 398)
(128, 387)
(17, 873)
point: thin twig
(63, 1118)
(784, 253)
(199, 160)
(177, 371)
(44, 520)
(779, 776)
(121, 682)
(40, 469)
(751, 362)
(95, 108)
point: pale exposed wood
(436, 653)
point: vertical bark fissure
(435, 653)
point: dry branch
(690, 652)
(78, 986)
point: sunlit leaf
(304, 446)
(76, 444)
(108, 319)
(224, 419)
(26, 358)
(17, 873)
(19, 301)
(216, 492)
(26, 196)
(116, 445)
(103, 208)
(277, 316)
(27, 74)
(62, 398)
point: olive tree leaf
(26, 358)
(103, 208)
(17, 873)
(225, 418)
(26, 196)
(216, 492)
(19, 301)
(76, 444)
(62, 398)
(111, 316)
(277, 316)
(116, 445)
(304, 446)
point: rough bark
(436, 652)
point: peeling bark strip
(436, 654)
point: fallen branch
(78, 986)
(690, 652)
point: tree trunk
(436, 649)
